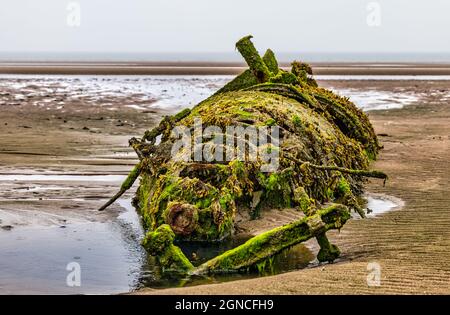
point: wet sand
(216, 68)
(412, 244)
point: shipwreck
(323, 148)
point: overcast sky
(215, 25)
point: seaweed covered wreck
(324, 147)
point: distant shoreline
(213, 68)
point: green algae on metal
(325, 148)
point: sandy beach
(216, 68)
(87, 136)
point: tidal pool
(378, 204)
(40, 259)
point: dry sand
(412, 245)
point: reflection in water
(297, 257)
(34, 260)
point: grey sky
(214, 25)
